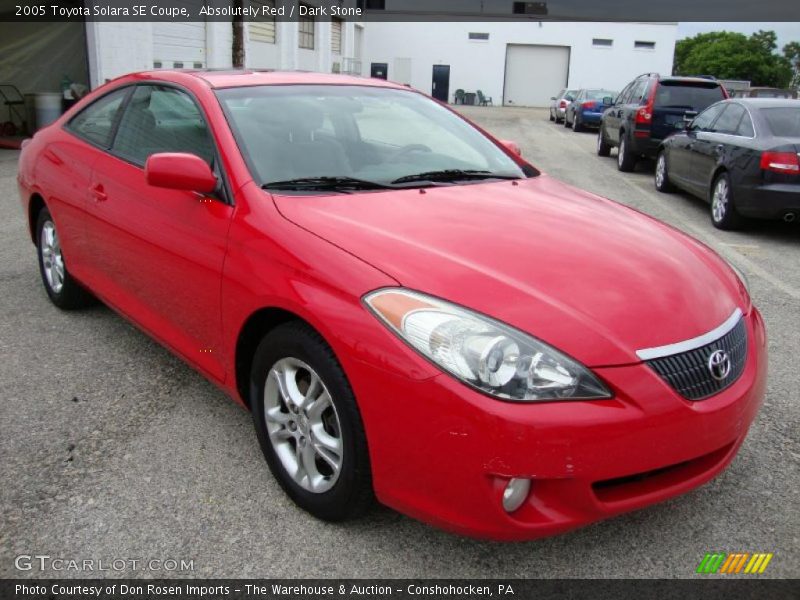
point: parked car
(646, 112)
(587, 108)
(764, 92)
(559, 104)
(408, 308)
(739, 155)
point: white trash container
(48, 108)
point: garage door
(534, 74)
(179, 45)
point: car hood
(582, 273)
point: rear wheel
(603, 149)
(576, 124)
(61, 288)
(566, 119)
(308, 424)
(626, 161)
(662, 175)
(552, 118)
(723, 209)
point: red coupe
(409, 309)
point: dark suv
(648, 110)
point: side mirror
(608, 101)
(179, 171)
(513, 146)
(552, 97)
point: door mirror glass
(179, 171)
(512, 146)
(552, 97)
(608, 101)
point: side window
(162, 119)
(703, 121)
(624, 94)
(638, 91)
(746, 126)
(95, 122)
(728, 121)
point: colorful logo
(737, 562)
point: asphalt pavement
(113, 449)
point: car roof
(229, 78)
(768, 102)
(705, 80)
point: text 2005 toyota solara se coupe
(410, 310)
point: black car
(646, 112)
(740, 155)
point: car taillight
(589, 104)
(780, 162)
(644, 116)
(562, 104)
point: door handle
(719, 148)
(99, 193)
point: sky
(787, 32)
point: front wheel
(308, 424)
(723, 210)
(626, 161)
(61, 288)
(662, 175)
(603, 149)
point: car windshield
(681, 95)
(783, 121)
(599, 94)
(359, 137)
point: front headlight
(486, 354)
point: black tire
(661, 177)
(351, 495)
(552, 118)
(577, 126)
(70, 295)
(626, 160)
(724, 217)
(566, 120)
(603, 149)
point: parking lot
(112, 448)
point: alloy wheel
(52, 259)
(661, 170)
(621, 152)
(303, 425)
(719, 201)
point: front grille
(689, 373)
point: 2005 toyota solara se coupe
(409, 309)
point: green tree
(792, 53)
(729, 55)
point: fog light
(515, 493)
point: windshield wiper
(336, 183)
(453, 175)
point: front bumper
(443, 453)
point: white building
(37, 56)
(517, 63)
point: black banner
(735, 587)
(399, 10)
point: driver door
(159, 252)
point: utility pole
(237, 49)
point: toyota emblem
(719, 364)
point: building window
(529, 8)
(602, 43)
(157, 64)
(177, 65)
(305, 26)
(336, 35)
(479, 36)
(263, 29)
(644, 45)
